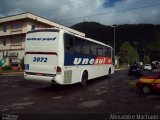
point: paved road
(102, 96)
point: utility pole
(144, 56)
(128, 58)
(98, 19)
(148, 58)
(114, 38)
(136, 44)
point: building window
(13, 54)
(16, 25)
(4, 28)
(14, 62)
(4, 42)
(33, 27)
(16, 40)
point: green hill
(147, 36)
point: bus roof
(59, 29)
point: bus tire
(84, 79)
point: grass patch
(9, 71)
(132, 84)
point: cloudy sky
(70, 12)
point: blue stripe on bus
(79, 59)
(71, 57)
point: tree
(22, 63)
(128, 54)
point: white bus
(58, 56)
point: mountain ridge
(147, 36)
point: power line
(86, 3)
(81, 9)
(125, 10)
(88, 7)
(73, 12)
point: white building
(12, 34)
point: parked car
(135, 70)
(149, 84)
(147, 67)
(155, 64)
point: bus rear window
(68, 41)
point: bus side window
(85, 47)
(109, 52)
(100, 50)
(104, 48)
(93, 49)
(105, 51)
(68, 42)
(77, 45)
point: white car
(147, 67)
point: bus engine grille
(67, 76)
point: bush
(7, 68)
(22, 63)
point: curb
(117, 69)
(120, 69)
(11, 73)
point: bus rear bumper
(41, 79)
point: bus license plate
(26, 66)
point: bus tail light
(59, 69)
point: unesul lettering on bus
(98, 60)
(48, 39)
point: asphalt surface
(101, 97)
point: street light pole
(137, 59)
(114, 38)
(144, 56)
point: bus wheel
(84, 79)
